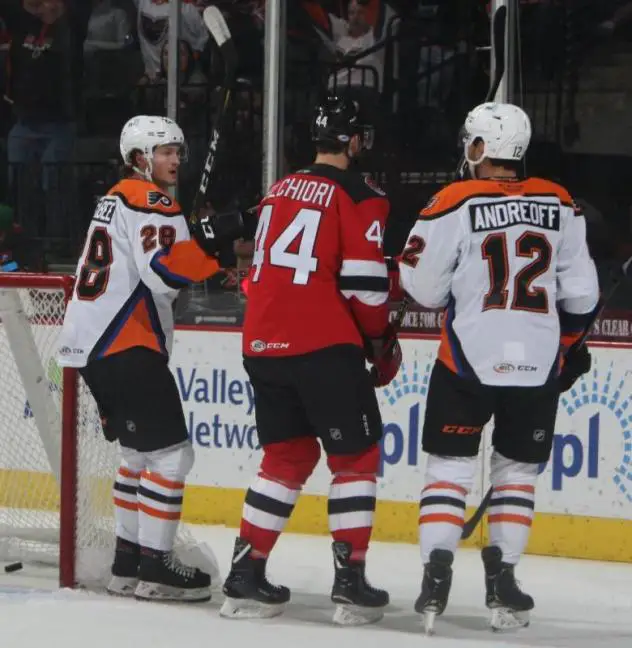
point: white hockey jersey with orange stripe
(509, 261)
(136, 258)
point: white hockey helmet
(504, 128)
(146, 132)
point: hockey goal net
(56, 468)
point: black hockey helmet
(336, 120)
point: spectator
(153, 26)
(17, 251)
(363, 79)
(45, 59)
(192, 79)
(350, 38)
(193, 104)
(109, 27)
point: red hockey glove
(385, 354)
(395, 290)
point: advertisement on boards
(590, 471)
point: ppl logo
(401, 441)
(598, 400)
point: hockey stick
(215, 23)
(623, 273)
(498, 49)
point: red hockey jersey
(318, 276)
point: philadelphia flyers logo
(157, 198)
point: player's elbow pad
(159, 284)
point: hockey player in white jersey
(118, 331)
(507, 258)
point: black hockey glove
(385, 354)
(576, 363)
(213, 231)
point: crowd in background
(73, 71)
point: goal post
(32, 307)
(56, 467)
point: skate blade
(428, 621)
(157, 592)
(122, 586)
(248, 609)
(355, 615)
(504, 619)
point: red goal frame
(68, 468)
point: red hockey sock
(267, 509)
(352, 498)
(271, 498)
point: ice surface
(579, 604)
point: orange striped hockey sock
(441, 514)
(125, 495)
(442, 506)
(512, 505)
(159, 510)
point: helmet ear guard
(504, 129)
(336, 121)
(144, 134)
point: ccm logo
(507, 367)
(258, 346)
(462, 429)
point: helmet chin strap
(147, 173)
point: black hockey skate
(510, 606)
(124, 568)
(435, 587)
(162, 577)
(357, 602)
(249, 594)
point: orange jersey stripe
(162, 481)
(509, 518)
(456, 193)
(130, 506)
(137, 331)
(184, 261)
(445, 351)
(441, 517)
(446, 485)
(568, 339)
(145, 196)
(174, 516)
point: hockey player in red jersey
(317, 310)
(118, 332)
